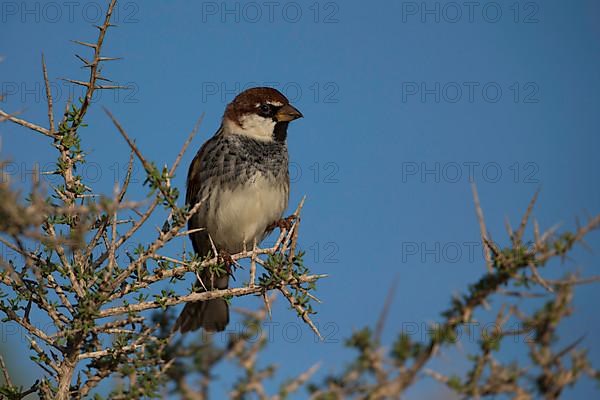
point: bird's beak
(288, 113)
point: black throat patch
(280, 131)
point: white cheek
(257, 127)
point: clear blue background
(362, 152)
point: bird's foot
(283, 223)
(225, 258)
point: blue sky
(403, 102)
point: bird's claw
(227, 261)
(283, 223)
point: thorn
(267, 305)
(109, 58)
(101, 87)
(109, 25)
(83, 60)
(86, 84)
(92, 45)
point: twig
(297, 382)
(5, 373)
(48, 97)
(25, 124)
(538, 278)
(482, 228)
(386, 309)
(302, 312)
(253, 265)
(519, 233)
(185, 145)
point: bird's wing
(201, 170)
(194, 183)
(202, 174)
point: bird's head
(262, 113)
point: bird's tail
(212, 315)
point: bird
(241, 177)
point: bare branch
(482, 228)
(49, 98)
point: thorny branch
(376, 375)
(72, 270)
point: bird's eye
(265, 109)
